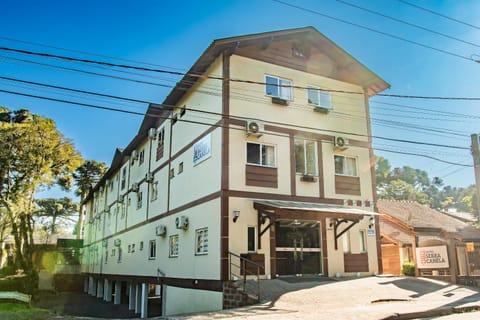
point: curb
(432, 313)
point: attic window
(298, 53)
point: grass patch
(18, 311)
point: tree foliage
(407, 183)
(33, 155)
(54, 215)
(85, 177)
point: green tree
(85, 177)
(55, 214)
(33, 155)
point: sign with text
(202, 150)
(432, 257)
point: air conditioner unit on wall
(181, 222)
(149, 177)
(135, 187)
(133, 156)
(161, 230)
(254, 128)
(152, 133)
(340, 143)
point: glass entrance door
(298, 247)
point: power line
(425, 156)
(237, 117)
(376, 31)
(407, 23)
(48, 55)
(439, 14)
(86, 52)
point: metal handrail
(243, 262)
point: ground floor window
(251, 239)
(201, 243)
(173, 247)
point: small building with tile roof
(412, 232)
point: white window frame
(201, 241)
(254, 238)
(343, 173)
(154, 191)
(362, 241)
(173, 248)
(139, 200)
(152, 249)
(260, 156)
(305, 157)
(281, 84)
(319, 92)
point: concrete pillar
(100, 289)
(108, 290)
(138, 297)
(144, 308)
(131, 295)
(90, 285)
(164, 300)
(118, 292)
(93, 288)
(85, 284)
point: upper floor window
(139, 199)
(278, 87)
(141, 157)
(346, 166)
(319, 98)
(306, 157)
(161, 142)
(260, 154)
(124, 178)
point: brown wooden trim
(186, 206)
(324, 240)
(321, 181)
(374, 182)
(357, 262)
(188, 283)
(293, 170)
(347, 185)
(224, 202)
(276, 196)
(236, 122)
(261, 176)
(305, 214)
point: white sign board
(432, 257)
(202, 150)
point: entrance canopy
(296, 210)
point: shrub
(408, 268)
(7, 271)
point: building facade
(261, 154)
(439, 245)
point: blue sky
(171, 35)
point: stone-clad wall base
(233, 297)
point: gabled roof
(423, 219)
(319, 55)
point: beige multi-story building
(258, 161)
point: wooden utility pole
(476, 165)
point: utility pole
(476, 166)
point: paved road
(372, 298)
(357, 299)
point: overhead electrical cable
(425, 156)
(376, 31)
(446, 113)
(439, 14)
(202, 76)
(407, 23)
(240, 117)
